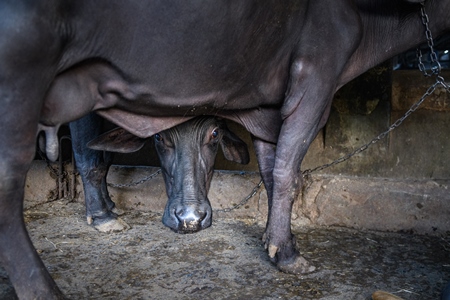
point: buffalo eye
(215, 133)
(158, 137)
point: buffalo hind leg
(27, 273)
(29, 48)
(93, 167)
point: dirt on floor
(227, 261)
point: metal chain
(397, 123)
(444, 84)
(243, 201)
(151, 176)
(127, 185)
(435, 65)
(435, 70)
(43, 157)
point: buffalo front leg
(279, 167)
(287, 257)
(313, 79)
(265, 154)
(304, 114)
(93, 167)
(287, 181)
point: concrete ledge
(420, 206)
(41, 184)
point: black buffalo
(272, 66)
(186, 153)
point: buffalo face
(187, 153)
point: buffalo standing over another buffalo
(147, 66)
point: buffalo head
(187, 153)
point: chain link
(243, 201)
(43, 157)
(445, 85)
(375, 140)
(435, 70)
(132, 184)
(435, 65)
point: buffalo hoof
(298, 265)
(109, 225)
(288, 260)
(381, 295)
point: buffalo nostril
(190, 219)
(190, 215)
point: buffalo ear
(233, 148)
(117, 140)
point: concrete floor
(227, 261)
(362, 234)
